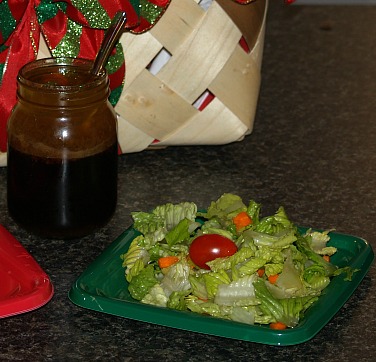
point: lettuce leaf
(197, 305)
(155, 296)
(278, 240)
(275, 223)
(179, 232)
(152, 226)
(198, 286)
(176, 278)
(251, 266)
(253, 210)
(177, 300)
(304, 247)
(226, 263)
(243, 314)
(289, 283)
(287, 311)
(141, 283)
(213, 280)
(155, 225)
(237, 293)
(135, 256)
(225, 208)
(318, 242)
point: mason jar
(62, 149)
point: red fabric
(116, 79)
(17, 8)
(114, 5)
(160, 2)
(56, 26)
(90, 42)
(20, 52)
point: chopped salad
(229, 262)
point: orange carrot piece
(273, 278)
(326, 258)
(278, 325)
(204, 300)
(166, 261)
(242, 220)
(261, 272)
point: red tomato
(209, 247)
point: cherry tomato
(208, 247)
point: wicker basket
(157, 110)
(205, 61)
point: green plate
(103, 288)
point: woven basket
(206, 63)
(157, 110)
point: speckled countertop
(313, 150)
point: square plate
(24, 285)
(102, 287)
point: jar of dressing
(62, 149)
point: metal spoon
(110, 38)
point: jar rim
(61, 64)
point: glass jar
(62, 149)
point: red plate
(24, 285)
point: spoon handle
(111, 36)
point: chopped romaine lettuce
(176, 278)
(177, 300)
(225, 208)
(237, 293)
(155, 296)
(155, 225)
(287, 310)
(141, 284)
(319, 240)
(276, 273)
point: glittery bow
(73, 28)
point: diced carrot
(166, 261)
(261, 272)
(273, 278)
(278, 325)
(326, 258)
(204, 300)
(242, 220)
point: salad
(229, 262)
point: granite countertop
(312, 150)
